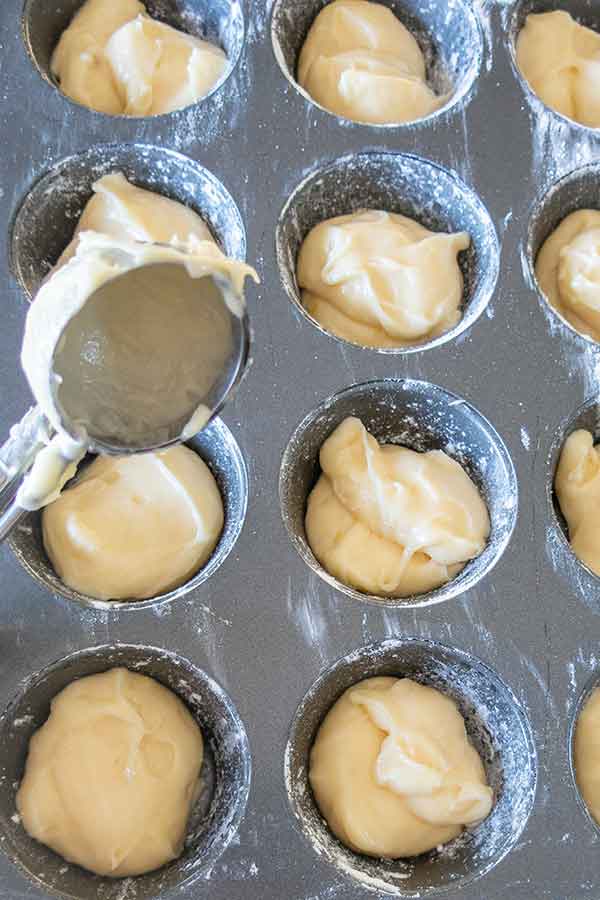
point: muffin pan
(517, 640)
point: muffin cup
(46, 220)
(449, 35)
(584, 11)
(219, 21)
(498, 729)
(588, 418)
(423, 417)
(579, 189)
(397, 183)
(591, 685)
(218, 448)
(225, 773)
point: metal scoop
(182, 360)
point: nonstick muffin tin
(261, 642)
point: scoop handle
(54, 463)
(9, 518)
(17, 454)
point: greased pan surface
(520, 646)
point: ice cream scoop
(129, 347)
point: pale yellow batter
(112, 775)
(133, 527)
(577, 486)
(568, 270)
(122, 210)
(561, 61)
(360, 62)
(587, 753)
(393, 771)
(116, 59)
(380, 279)
(389, 521)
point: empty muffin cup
(423, 417)
(221, 22)
(583, 11)
(589, 688)
(225, 773)
(449, 36)
(587, 417)
(218, 448)
(396, 183)
(498, 729)
(577, 190)
(46, 220)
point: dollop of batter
(125, 211)
(360, 62)
(380, 279)
(587, 753)
(389, 521)
(561, 61)
(568, 270)
(133, 527)
(116, 59)
(393, 771)
(577, 486)
(112, 775)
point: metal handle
(26, 439)
(10, 518)
(17, 455)
(54, 464)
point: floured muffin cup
(585, 12)
(423, 417)
(396, 183)
(225, 774)
(216, 445)
(592, 684)
(48, 215)
(449, 35)
(586, 417)
(577, 190)
(498, 729)
(221, 22)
